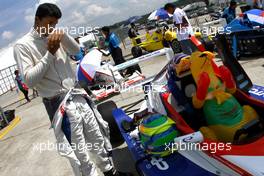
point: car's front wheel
(106, 110)
(136, 51)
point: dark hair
(232, 3)
(106, 29)
(16, 72)
(169, 5)
(48, 10)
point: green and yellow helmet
(156, 133)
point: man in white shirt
(43, 58)
(183, 28)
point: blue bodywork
(172, 165)
(242, 29)
(257, 92)
(243, 23)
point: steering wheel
(128, 126)
(250, 129)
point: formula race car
(101, 79)
(219, 110)
(165, 38)
(155, 41)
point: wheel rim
(175, 45)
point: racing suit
(53, 77)
(79, 128)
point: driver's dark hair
(169, 5)
(232, 3)
(106, 29)
(16, 72)
(48, 10)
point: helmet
(157, 132)
(87, 68)
(83, 76)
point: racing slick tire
(136, 51)
(106, 110)
(175, 46)
(134, 68)
(130, 70)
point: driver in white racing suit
(42, 56)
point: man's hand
(54, 40)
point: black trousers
(117, 56)
(52, 104)
(25, 92)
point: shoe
(114, 172)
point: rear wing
(243, 81)
(165, 51)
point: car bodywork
(151, 42)
(113, 82)
(241, 159)
(245, 36)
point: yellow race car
(155, 41)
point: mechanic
(21, 85)
(42, 56)
(183, 28)
(113, 42)
(133, 33)
(230, 12)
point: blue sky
(16, 16)
(12, 23)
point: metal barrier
(7, 79)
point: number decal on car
(257, 92)
(159, 163)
